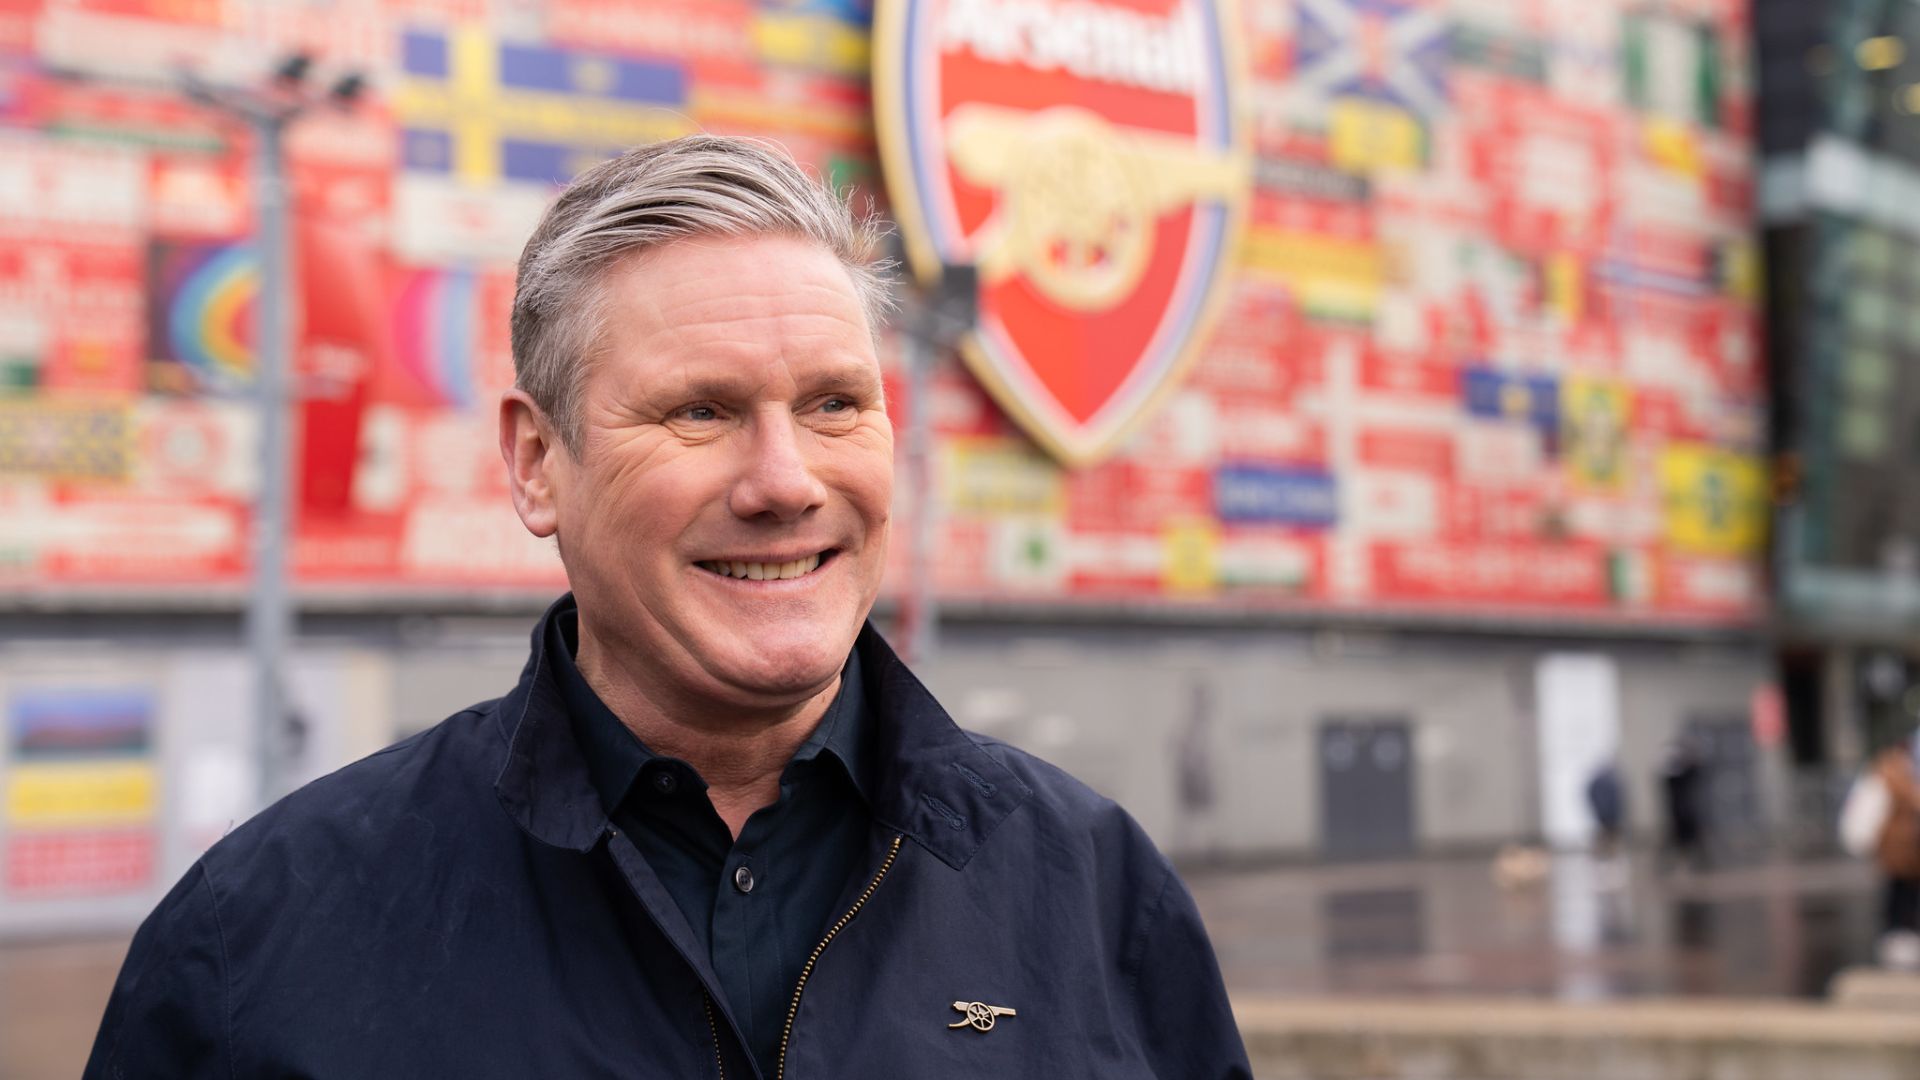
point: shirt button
(665, 782)
(743, 879)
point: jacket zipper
(793, 1010)
(719, 1060)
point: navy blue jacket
(458, 905)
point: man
(1682, 774)
(1607, 801)
(1897, 851)
(717, 829)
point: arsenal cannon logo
(1090, 160)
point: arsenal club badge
(1089, 158)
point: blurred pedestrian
(712, 768)
(1194, 774)
(1898, 853)
(1607, 800)
(1682, 776)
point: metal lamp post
(268, 110)
(937, 316)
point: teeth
(753, 571)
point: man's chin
(770, 672)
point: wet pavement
(1585, 930)
(51, 995)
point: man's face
(725, 524)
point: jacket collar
(544, 784)
(935, 783)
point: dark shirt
(758, 904)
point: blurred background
(1487, 586)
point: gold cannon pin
(980, 1016)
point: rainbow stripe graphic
(208, 312)
(434, 323)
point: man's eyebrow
(852, 376)
(856, 376)
(709, 385)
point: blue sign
(79, 722)
(1276, 494)
(1505, 395)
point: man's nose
(778, 479)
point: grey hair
(691, 187)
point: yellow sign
(1566, 288)
(1715, 501)
(993, 477)
(1594, 415)
(1742, 273)
(1367, 136)
(1673, 146)
(1332, 276)
(811, 40)
(1192, 556)
(80, 793)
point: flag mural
(486, 110)
(1407, 305)
(1489, 342)
(1372, 76)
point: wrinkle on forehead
(616, 301)
(781, 323)
(837, 284)
(747, 320)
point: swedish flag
(485, 110)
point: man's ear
(533, 453)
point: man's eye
(836, 404)
(699, 413)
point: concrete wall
(1112, 707)
(107, 832)
(1660, 691)
(1117, 705)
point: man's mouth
(765, 571)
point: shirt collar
(929, 780)
(615, 757)
(846, 729)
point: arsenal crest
(1088, 157)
